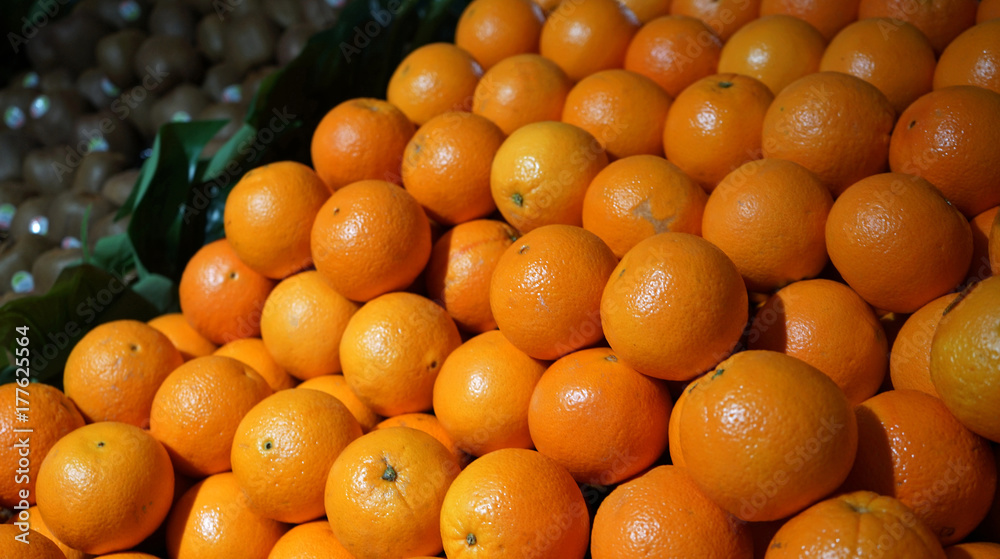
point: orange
(946, 138)
(38, 546)
(384, 493)
(428, 424)
(856, 525)
(988, 9)
(623, 413)
(547, 5)
(313, 540)
(931, 243)
(724, 17)
(253, 353)
(911, 448)
(836, 125)
(981, 225)
(360, 139)
(827, 16)
(283, 449)
(674, 52)
(940, 20)
(50, 416)
(663, 514)
(302, 324)
(974, 550)
(674, 434)
(674, 307)
(623, 110)
(638, 197)
(803, 431)
(336, 386)
(513, 501)
(519, 90)
(113, 372)
(491, 30)
(220, 296)
(127, 555)
(434, 79)
(461, 266)
(994, 247)
(587, 36)
(776, 49)
(393, 349)
(964, 358)
(37, 524)
(213, 519)
(482, 394)
(894, 56)
(186, 339)
(714, 126)
(446, 166)
(197, 408)
(769, 217)
(371, 237)
(269, 215)
(546, 290)
(647, 10)
(910, 360)
(105, 487)
(541, 172)
(827, 325)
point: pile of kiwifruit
(103, 78)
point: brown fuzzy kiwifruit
(51, 263)
(167, 61)
(207, 6)
(292, 41)
(233, 112)
(122, 14)
(56, 79)
(172, 17)
(105, 131)
(68, 210)
(95, 86)
(284, 12)
(107, 226)
(95, 169)
(210, 36)
(222, 83)
(119, 187)
(321, 13)
(32, 217)
(250, 41)
(15, 102)
(135, 106)
(49, 170)
(12, 150)
(75, 37)
(181, 104)
(116, 55)
(13, 192)
(51, 116)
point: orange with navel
(894, 56)
(303, 321)
(623, 110)
(715, 125)
(197, 409)
(360, 139)
(674, 306)
(775, 49)
(434, 79)
(220, 296)
(461, 267)
(546, 290)
(519, 90)
(269, 216)
(114, 371)
(674, 52)
(446, 166)
(587, 36)
(638, 197)
(370, 237)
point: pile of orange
(604, 278)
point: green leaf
(83, 297)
